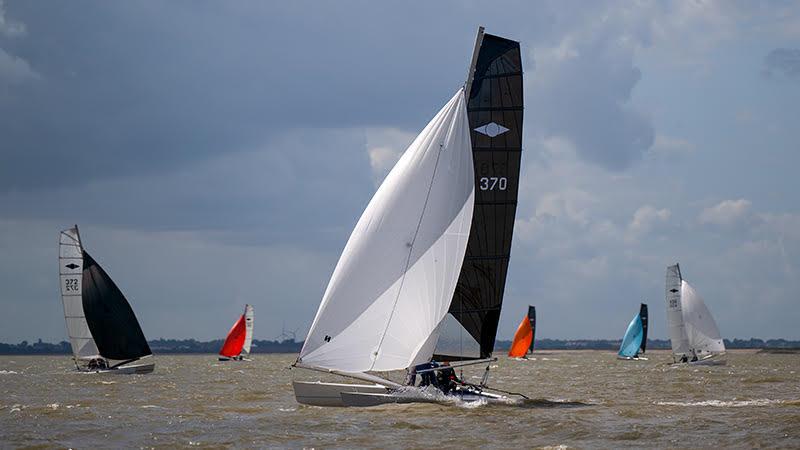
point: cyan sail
(633, 338)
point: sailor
(694, 356)
(684, 359)
(428, 377)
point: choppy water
(581, 399)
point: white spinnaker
(70, 269)
(701, 329)
(677, 329)
(248, 326)
(395, 279)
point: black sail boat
(494, 108)
(103, 330)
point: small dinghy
(419, 285)
(634, 343)
(103, 331)
(523, 338)
(694, 334)
(240, 338)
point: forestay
(395, 279)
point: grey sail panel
(645, 319)
(111, 320)
(532, 320)
(494, 108)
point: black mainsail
(494, 107)
(643, 316)
(111, 320)
(532, 320)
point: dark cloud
(783, 62)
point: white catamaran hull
(712, 360)
(318, 393)
(361, 399)
(632, 358)
(128, 369)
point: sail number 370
(493, 183)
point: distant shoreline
(193, 346)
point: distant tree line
(166, 346)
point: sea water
(577, 399)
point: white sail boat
(102, 328)
(394, 289)
(694, 334)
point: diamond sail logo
(491, 129)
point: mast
(495, 109)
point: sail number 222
(492, 183)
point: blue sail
(633, 338)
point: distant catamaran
(102, 328)
(523, 338)
(420, 282)
(634, 343)
(240, 337)
(693, 333)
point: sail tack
(495, 107)
(395, 279)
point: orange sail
(522, 339)
(235, 340)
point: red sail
(235, 340)
(522, 339)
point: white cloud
(15, 70)
(645, 219)
(385, 145)
(8, 27)
(725, 213)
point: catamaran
(634, 343)
(523, 338)
(694, 334)
(240, 338)
(419, 285)
(102, 328)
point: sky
(220, 153)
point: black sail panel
(532, 320)
(643, 316)
(494, 108)
(109, 316)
